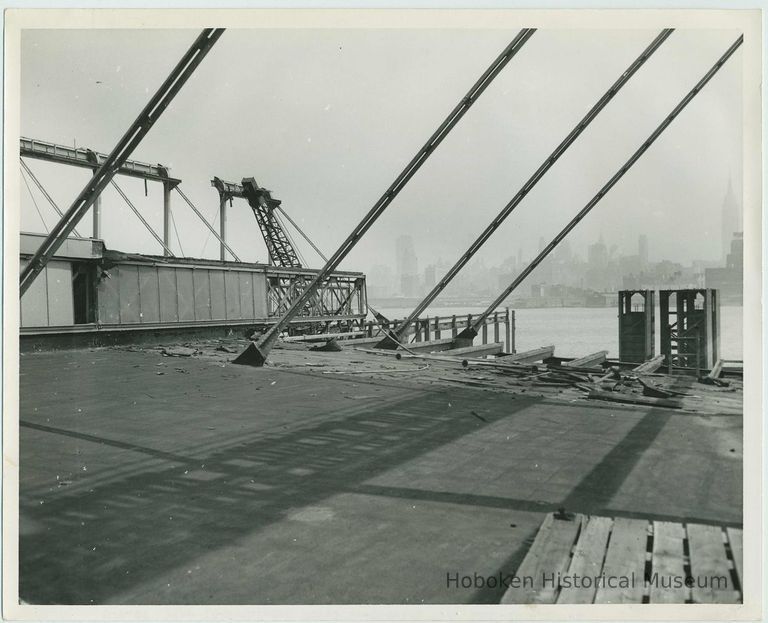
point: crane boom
(279, 246)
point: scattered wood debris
(536, 373)
(178, 351)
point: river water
(577, 331)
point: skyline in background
(569, 274)
(326, 119)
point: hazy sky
(327, 118)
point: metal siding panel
(72, 247)
(130, 301)
(186, 290)
(246, 294)
(169, 307)
(149, 294)
(108, 293)
(34, 304)
(232, 286)
(218, 310)
(260, 295)
(61, 310)
(202, 294)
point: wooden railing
(433, 327)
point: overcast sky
(327, 118)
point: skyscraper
(407, 265)
(642, 250)
(731, 220)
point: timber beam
(432, 346)
(650, 366)
(476, 351)
(530, 356)
(588, 361)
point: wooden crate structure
(629, 561)
(637, 325)
(690, 328)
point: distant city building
(409, 285)
(597, 254)
(729, 280)
(642, 249)
(430, 276)
(407, 266)
(563, 251)
(598, 275)
(730, 220)
(380, 281)
(405, 256)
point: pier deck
(170, 480)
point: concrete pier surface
(187, 480)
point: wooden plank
(322, 337)
(624, 563)
(480, 349)
(548, 556)
(580, 370)
(709, 566)
(431, 346)
(667, 573)
(587, 561)
(716, 369)
(650, 366)
(634, 399)
(530, 356)
(366, 341)
(737, 549)
(588, 361)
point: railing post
(437, 328)
(454, 331)
(426, 329)
(485, 332)
(509, 331)
(495, 326)
(417, 329)
(514, 331)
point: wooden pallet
(588, 559)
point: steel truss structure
(342, 298)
